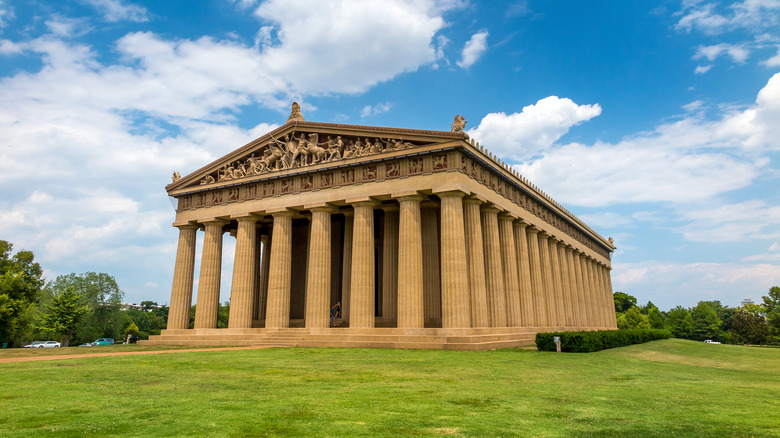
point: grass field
(663, 388)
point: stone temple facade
(424, 239)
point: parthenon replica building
(423, 239)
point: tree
(633, 319)
(655, 318)
(772, 308)
(21, 280)
(680, 322)
(706, 324)
(749, 327)
(623, 301)
(103, 298)
(64, 314)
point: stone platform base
(425, 338)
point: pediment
(307, 146)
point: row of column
(492, 270)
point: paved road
(120, 353)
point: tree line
(72, 308)
(757, 324)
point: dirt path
(120, 353)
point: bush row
(584, 342)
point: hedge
(585, 342)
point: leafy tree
(749, 327)
(64, 314)
(706, 324)
(21, 280)
(633, 319)
(623, 301)
(103, 299)
(772, 308)
(680, 322)
(655, 318)
(222, 316)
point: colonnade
(461, 261)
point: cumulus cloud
(774, 61)
(752, 15)
(701, 69)
(473, 49)
(520, 136)
(116, 10)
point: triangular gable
(298, 144)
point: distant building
(747, 301)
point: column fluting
(511, 279)
(243, 285)
(524, 274)
(548, 297)
(568, 318)
(362, 300)
(494, 271)
(210, 272)
(346, 265)
(318, 269)
(183, 278)
(431, 267)
(280, 272)
(456, 308)
(410, 264)
(475, 258)
(538, 282)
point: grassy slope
(662, 388)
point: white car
(43, 344)
(710, 341)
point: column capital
(319, 206)
(246, 217)
(506, 216)
(490, 209)
(532, 229)
(412, 198)
(450, 193)
(186, 225)
(363, 202)
(474, 199)
(214, 221)
(544, 234)
(387, 208)
(519, 222)
(283, 213)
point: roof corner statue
(295, 114)
(420, 239)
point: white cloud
(737, 222)
(520, 136)
(752, 15)
(115, 10)
(701, 69)
(738, 53)
(473, 49)
(372, 110)
(689, 160)
(6, 14)
(670, 284)
(773, 61)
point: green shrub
(585, 342)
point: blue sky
(658, 123)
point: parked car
(43, 344)
(104, 341)
(36, 344)
(86, 344)
(710, 341)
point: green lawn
(663, 388)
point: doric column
(431, 269)
(265, 263)
(612, 313)
(607, 295)
(280, 272)
(494, 271)
(346, 265)
(456, 308)
(547, 298)
(538, 282)
(509, 261)
(318, 269)
(210, 272)
(475, 258)
(524, 274)
(362, 301)
(587, 299)
(410, 264)
(557, 296)
(576, 305)
(243, 285)
(568, 317)
(390, 264)
(593, 294)
(183, 275)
